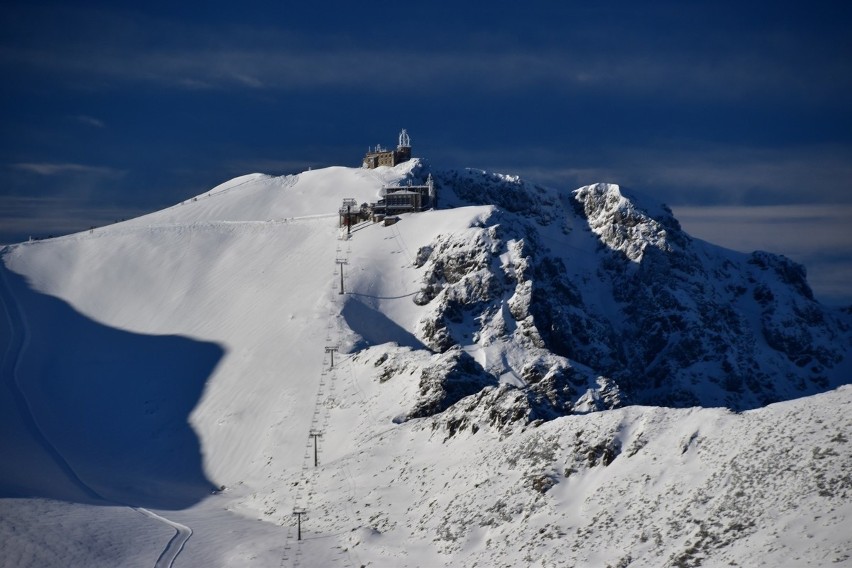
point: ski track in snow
(18, 341)
(177, 542)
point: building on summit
(406, 199)
(379, 156)
(396, 199)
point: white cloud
(816, 236)
(691, 173)
(415, 70)
(39, 216)
(788, 229)
(88, 120)
(192, 55)
(56, 169)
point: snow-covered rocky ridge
(609, 286)
(483, 406)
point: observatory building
(379, 156)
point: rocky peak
(631, 309)
(625, 224)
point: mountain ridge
(690, 299)
(514, 380)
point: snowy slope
(150, 364)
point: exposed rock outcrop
(598, 297)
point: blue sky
(738, 115)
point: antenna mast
(404, 140)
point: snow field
(232, 299)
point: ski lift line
(321, 411)
(404, 248)
(112, 230)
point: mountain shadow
(375, 328)
(95, 414)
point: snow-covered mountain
(610, 282)
(524, 377)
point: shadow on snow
(95, 414)
(374, 327)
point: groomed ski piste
(170, 399)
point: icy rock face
(460, 274)
(623, 227)
(546, 299)
(452, 376)
(689, 334)
(505, 408)
(485, 288)
(796, 325)
(509, 193)
(655, 317)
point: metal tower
(404, 140)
